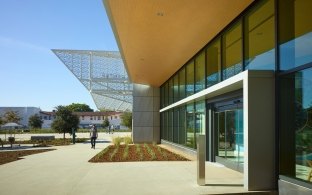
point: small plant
(126, 152)
(127, 140)
(150, 151)
(117, 141)
(114, 153)
(138, 150)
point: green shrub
(138, 150)
(117, 141)
(150, 151)
(126, 152)
(128, 140)
(114, 153)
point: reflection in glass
(170, 91)
(176, 88)
(213, 63)
(232, 51)
(200, 72)
(259, 37)
(190, 127)
(229, 128)
(182, 83)
(295, 33)
(170, 125)
(190, 78)
(182, 130)
(166, 94)
(296, 125)
(176, 125)
(200, 119)
(165, 126)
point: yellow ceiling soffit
(156, 38)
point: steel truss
(103, 74)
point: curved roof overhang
(156, 38)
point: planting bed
(10, 156)
(137, 152)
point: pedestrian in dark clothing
(93, 135)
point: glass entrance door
(228, 127)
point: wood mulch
(137, 152)
(10, 156)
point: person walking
(93, 135)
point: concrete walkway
(67, 171)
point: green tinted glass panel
(232, 51)
(295, 33)
(182, 83)
(213, 63)
(176, 125)
(296, 125)
(190, 78)
(182, 130)
(200, 72)
(176, 88)
(259, 39)
(170, 91)
(170, 125)
(190, 126)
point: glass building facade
(270, 35)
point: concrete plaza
(66, 170)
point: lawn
(136, 152)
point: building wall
(23, 112)
(271, 35)
(145, 115)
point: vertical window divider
(243, 43)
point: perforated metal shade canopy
(103, 74)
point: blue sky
(30, 74)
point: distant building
(86, 118)
(23, 112)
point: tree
(77, 107)
(65, 120)
(105, 123)
(12, 117)
(126, 119)
(35, 121)
(1, 121)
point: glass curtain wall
(295, 98)
(222, 58)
